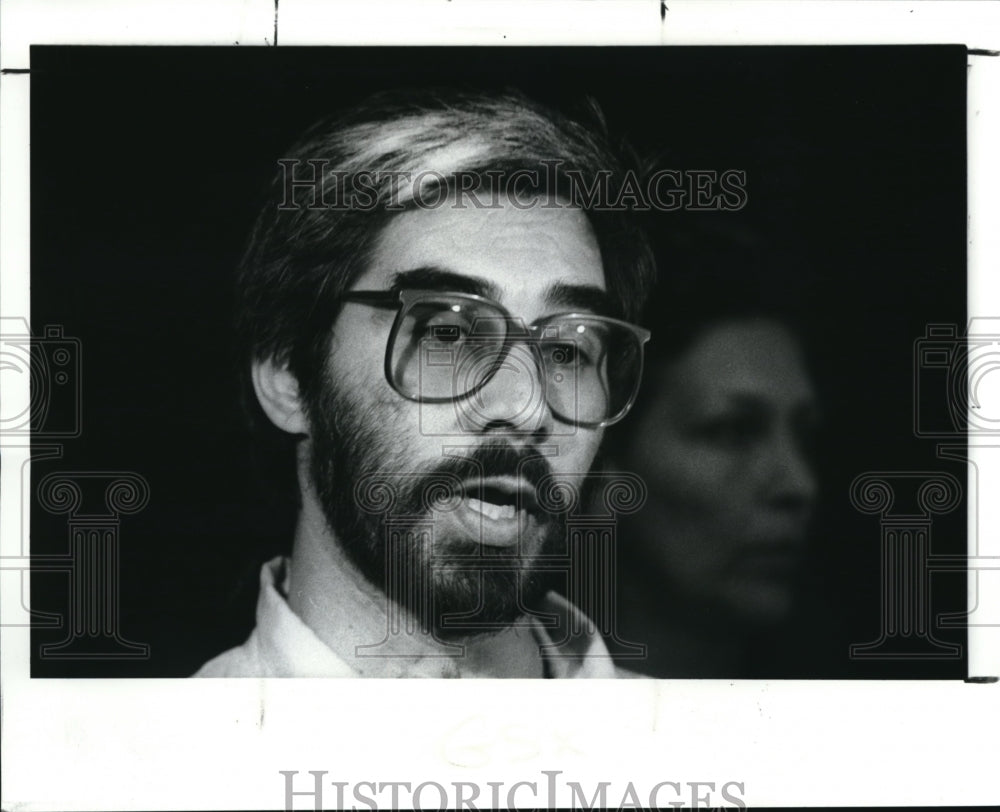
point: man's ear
(278, 394)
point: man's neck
(352, 617)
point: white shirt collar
(283, 646)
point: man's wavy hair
(302, 257)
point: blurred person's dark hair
(717, 272)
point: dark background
(148, 166)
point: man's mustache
(451, 479)
(497, 460)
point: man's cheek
(434, 422)
(589, 444)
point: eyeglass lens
(446, 347)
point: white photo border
(184, 744)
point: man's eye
(442, 331)
(562, 354)
(446, 333)
(570, 353)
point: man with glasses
(435, 310)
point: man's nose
(512, 399)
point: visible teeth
(492, 511)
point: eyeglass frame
(405, 298)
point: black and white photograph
(765, 245)
(355, 363)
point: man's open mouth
(498, 511)
(499, 498)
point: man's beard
(382, 517)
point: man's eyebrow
(560, 295)
(433, 277)
(580, 297)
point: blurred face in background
(722, 447)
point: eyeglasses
(447, 346)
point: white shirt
(282, 645)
